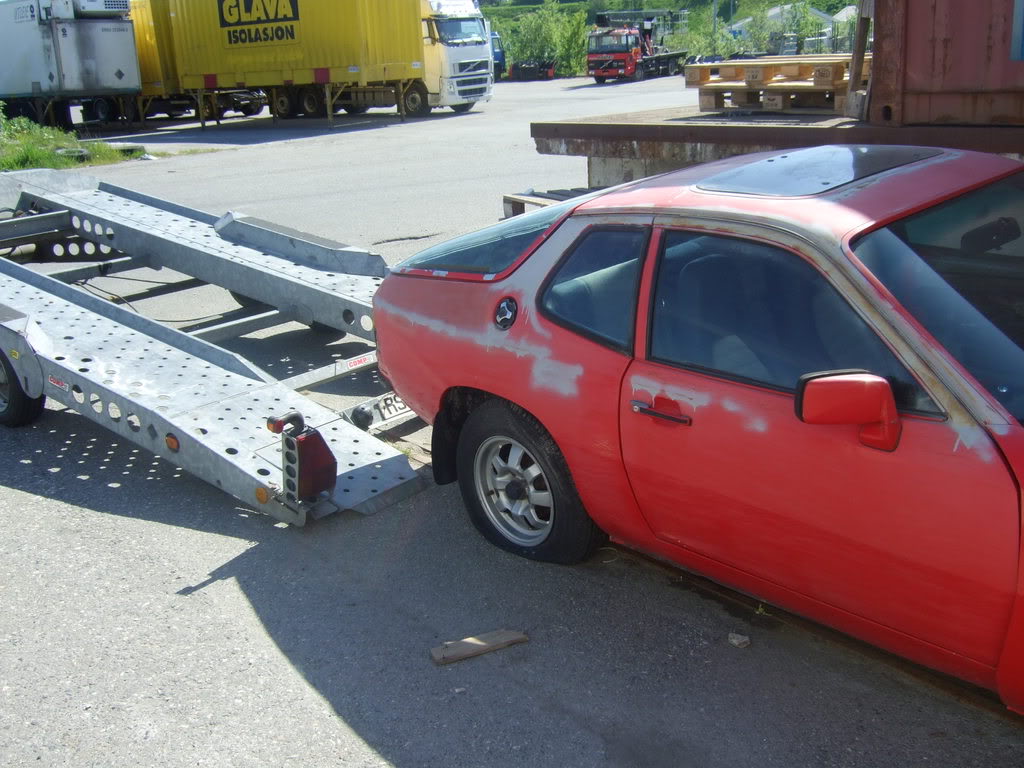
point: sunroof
(814, 170)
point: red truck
(628, 50)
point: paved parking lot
(149, 619)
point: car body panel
(917, 550)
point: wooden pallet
(774, 97)
(821, 70)
(775, 83)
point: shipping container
(948, 62)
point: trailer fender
(16, 337)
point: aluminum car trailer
(174, 392)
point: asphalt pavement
(148, 619)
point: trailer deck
(176, 393)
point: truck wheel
(415, 100)
(461, 108)
(16, 408)
(638, 73)
(517, 487)
(211, 112)
(599, 80)
(311, 102)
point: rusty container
(948, 62)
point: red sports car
(799, 373)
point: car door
(921, 539)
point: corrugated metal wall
(946, 61)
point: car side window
(593, 290)
(762, 314)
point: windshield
(610, 43)
(460, 31)
(958, 268)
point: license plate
(389, 407)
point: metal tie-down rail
(194, 404)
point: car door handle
(642, 407)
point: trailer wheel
(16, 408)
(311, 102)
(284, 104)
(101, 110)
(416, 103)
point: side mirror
(851, 397)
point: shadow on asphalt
(246, 131)
(626, 665)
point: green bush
(25, 144)
(549, 31)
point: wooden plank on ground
(457, 650)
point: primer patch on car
(975, 439)
(546, 373)
(655, 388)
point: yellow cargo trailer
(162, 88)
(308, 53)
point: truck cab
(457, 60)
(616, 53)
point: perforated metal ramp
(192, 403)
(306, 280)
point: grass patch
(25, 144)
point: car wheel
(517, 487)
(16, 407)
(356, 109)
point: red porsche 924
(798, 373)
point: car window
(762, 314)
(594, 288)
(493, 249)
(958, 268)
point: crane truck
(628, 47)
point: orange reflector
(276, 425)
(262, 495)
(172, 443)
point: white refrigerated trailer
(63, 52)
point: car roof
(837, 188)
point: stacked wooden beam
(775, 83)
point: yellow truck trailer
(312, 56)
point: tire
(102, 110)
(311, 102)
(249, 110)
(599, 79)
(638, 73)
(356, 109)
(284, 104)
(16, 408)
(550, 523)
(462, 108)
(415, 100)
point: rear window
(491, 250)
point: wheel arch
(457, 403)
